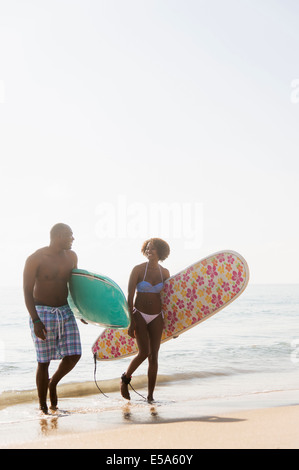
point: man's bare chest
(55, 268)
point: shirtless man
(53, 326)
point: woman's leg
(142, 339)
(155, 329)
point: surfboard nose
(97, 299)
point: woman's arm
(131, 294)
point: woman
(147, 323)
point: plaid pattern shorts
(63, 337)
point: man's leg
(42, 381)
(65, 366)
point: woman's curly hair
(161, 246)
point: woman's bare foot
(124, 386)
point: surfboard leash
(127, 381)
(137, 392)
(95, 375)
(95, 380)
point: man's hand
(40, 330)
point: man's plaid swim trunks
(63, 337)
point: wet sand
(273, 428)
(95, 423)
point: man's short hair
(57, 229)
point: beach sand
(136, 425)
(273, 428)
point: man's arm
(75, 266)
(29, 275)
(74, 259)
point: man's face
(66, 239)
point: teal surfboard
(97, 299)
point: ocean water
(249, 348)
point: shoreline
(263, 421)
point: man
(53, 326)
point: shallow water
(246, 356)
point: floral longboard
(188, 298)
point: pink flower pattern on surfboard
(188, 298)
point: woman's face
(151, 252)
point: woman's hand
(131, 329)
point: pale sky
(169, 118)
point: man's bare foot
(44, 408)
(124, 386)
(53, 396)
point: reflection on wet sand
(48, 425)
(128, 413)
